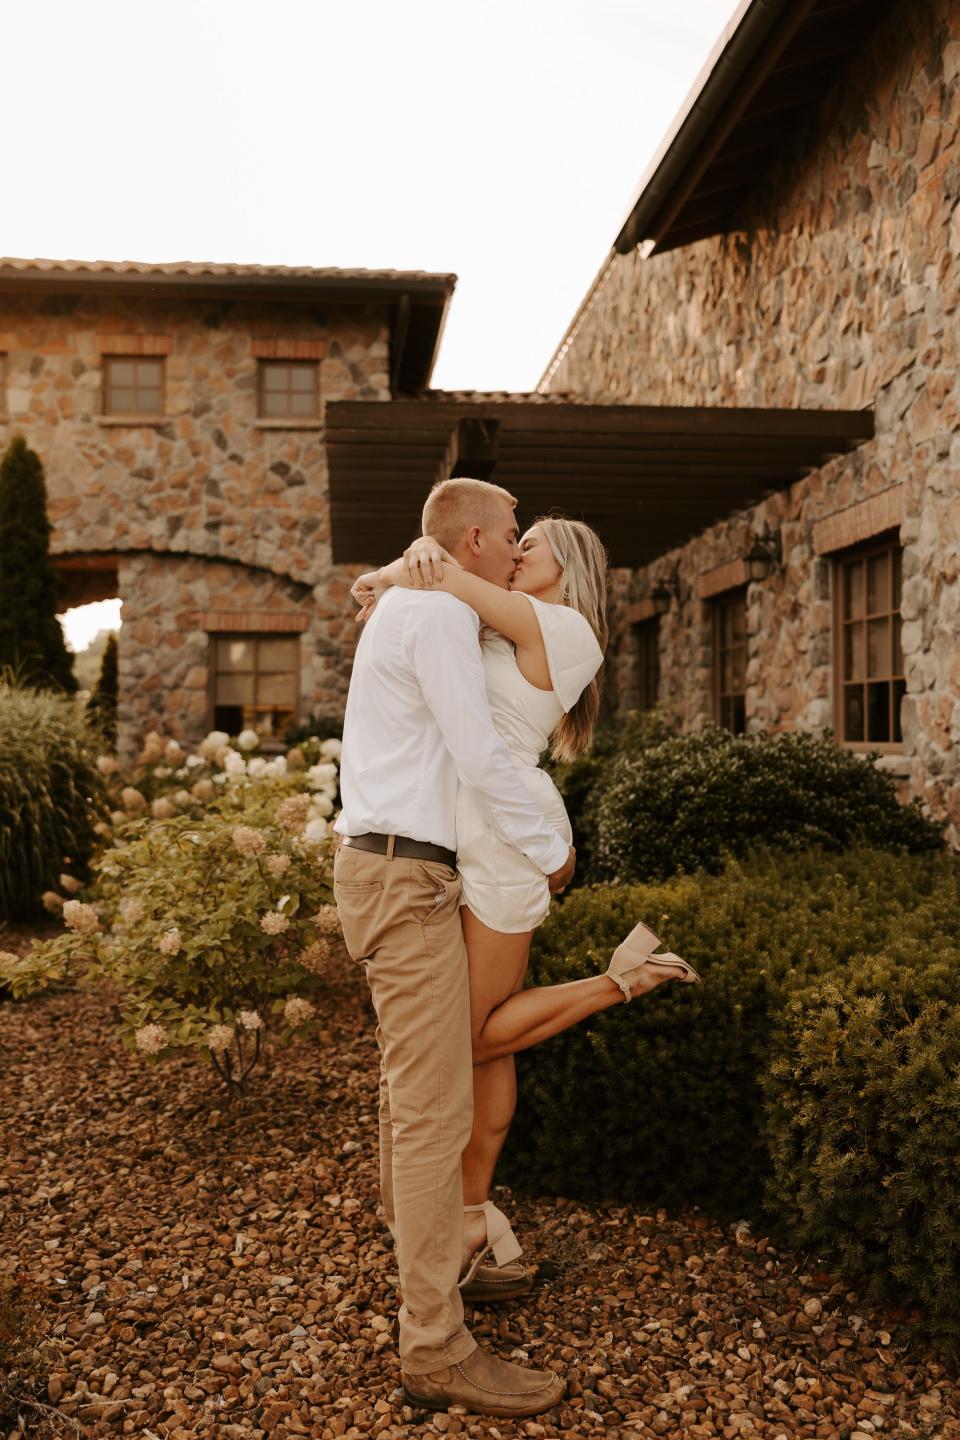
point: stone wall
(839, 289)
(212, 509)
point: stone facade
(839, 289)
(210, 517)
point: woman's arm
(508, 612)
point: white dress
(502, 887)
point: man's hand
(561, 878)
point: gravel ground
(221, 1272)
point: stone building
(179, 412)
(786, 281)
(795, 244)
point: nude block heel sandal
(501, 1240)
(636, 951)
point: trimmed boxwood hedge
(810, 1083)
(685, 803)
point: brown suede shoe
(491, 1283)
(486, 1385)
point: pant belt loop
(391, 840)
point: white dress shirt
(418, 722)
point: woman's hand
(424, 561)
(366, 590)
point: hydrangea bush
(210, 914)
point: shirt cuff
(555, 858)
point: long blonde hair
(584, 571)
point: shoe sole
(484, 1294)
(435, 1402)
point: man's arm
(445, 655)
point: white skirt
(504, 889)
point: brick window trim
(734, 575)
(862, 522)
(288, 349)
(259, 622)
(134, 346)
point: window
(132, 386)
(869, 668)
(730, 661)
(288, 389)
(256, 683)
(647, 633)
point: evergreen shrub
(51, 794)
(811, 1083)
(581, 782)
(102, 705)
(863, 1123)
(684, 804)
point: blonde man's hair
(454, 506)
(584, 582)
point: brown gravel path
(222, 1273)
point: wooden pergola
(646, 477)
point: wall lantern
(765, 555)
(664, 592)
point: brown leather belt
(401, 848)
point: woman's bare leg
(504, 1019)
(498, 964)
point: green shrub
(581, 782)
(686, 803)
(102, 705)
(31, 636)
(668, 1100)
(51, 794)
(208, 928)
(863, 1123)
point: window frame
(887, 543)
(265, 363)
(646, 634)
(267, 743)
(107, 413)
(719, 604)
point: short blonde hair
(454, 506)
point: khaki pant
(401, 919)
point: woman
(542, 642)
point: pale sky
(502, 141)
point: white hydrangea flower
(161, 772)
(81, 918)
(251, 1020)
(181, 772)
(247, 840)
(173, 752)
(256, 766)
(316, 831)
(163, 808)
(170, 942)
(278, 864)
(219, 779)
(298, 1011)
(132, 800)
(213, 746)
(331, 750)
(273, 923)
(322, 805)
(51, 901)
(107, 764)
(219, 1038)
(233, 763)
(182, 797)
(203, 789)
(150, 1039)
(131, 910)
(193, 761)
(315, 956)
(327, 920)
(277, 767)
(292, 812)
(322, 776)
(70, 883)
(248, 740)
(152, 748)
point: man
(417, 722)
